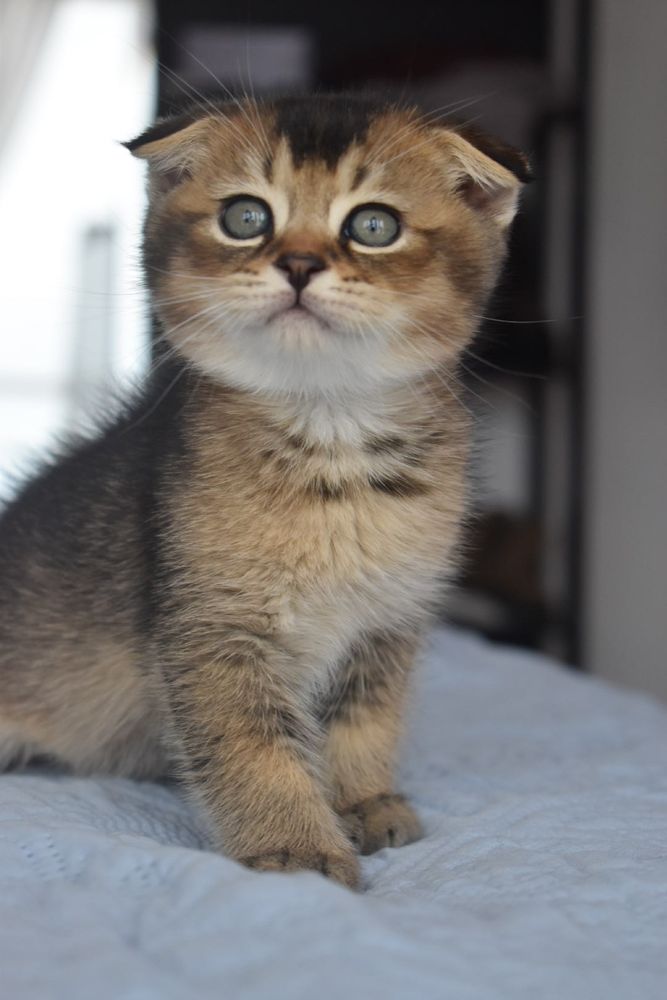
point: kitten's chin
(297, 354)
(298, 328)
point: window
(74, 318)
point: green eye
(373, 226)
(244, 218)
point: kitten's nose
(300, 267)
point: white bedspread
(543, 873)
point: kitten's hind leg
(89, 709)
(364, 723)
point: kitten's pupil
(244, 218)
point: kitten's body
(234, 578)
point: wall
(626, 465)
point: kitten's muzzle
(299, 268)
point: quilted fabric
(543, 873)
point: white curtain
(23, 28)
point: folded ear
(487, 173)
(172, 146)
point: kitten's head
(319, 244)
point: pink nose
(300, 267)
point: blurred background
(568, 376)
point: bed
(543, 873)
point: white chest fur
(300, 513)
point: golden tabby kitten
(233, 578)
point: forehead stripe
(323, 128)
(360, 175)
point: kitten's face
(321, 245)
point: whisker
(523, 322)
(193, 319)
(161, 398)
(252, 100)
(424, 142)
(496, 388)
(219, 84)
(461, 364)
(189, 276)
(505, 371)
(175, 300)
(430, 368)
(426, 119)
(206, 104)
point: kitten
(233, 578)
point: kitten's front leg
(251, 754)
(364, 716)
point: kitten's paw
(381, 821)
(343, 868)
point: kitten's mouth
(298, 311)
(295, 308)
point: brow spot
(360, 175)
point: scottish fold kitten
(232, 579)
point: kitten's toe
(381, 821)
(343, 868)
(353, 825)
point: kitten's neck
(350, 420)
(346, 420)
(397, 436)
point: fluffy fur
(232, 579)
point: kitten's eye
(373, 226)
(244, 218)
